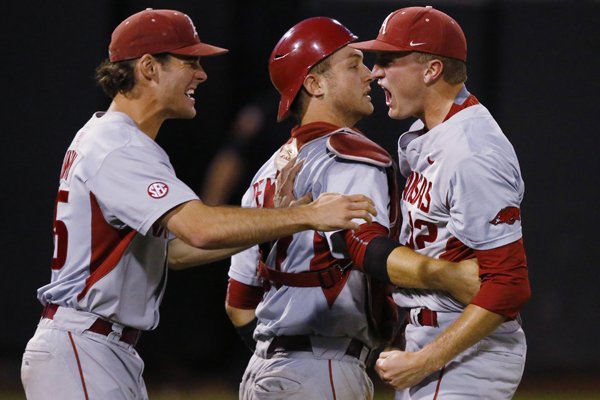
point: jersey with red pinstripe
(110, 257)
(460, 175)
(334, 312)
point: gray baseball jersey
(340, 316)
(460, 176)
(109, 256)
(109, 262)
(329, 316)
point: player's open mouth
(388, 96)
(190, 93)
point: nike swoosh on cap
(413, 44)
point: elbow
(205, 239)
(176, 264)
(522, 294)
(503, 298)
(230, 311)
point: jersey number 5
(61, 234)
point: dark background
(534, 64)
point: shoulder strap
(351, 145)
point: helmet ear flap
(301, 48)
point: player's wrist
(310, 218)
(301, 217)
(431, 360)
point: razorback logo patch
(508, 215)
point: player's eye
(383, 60)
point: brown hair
(455, 71)
(119, 77)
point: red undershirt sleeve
(357, 241)
(243, 296)
(504, 279)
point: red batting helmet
(300, 49)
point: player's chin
(187, 113)
(368, 110)
(395, 113)
(367, 107)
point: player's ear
(147, 66)
(314, 85)
(433, 71)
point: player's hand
(332, 211)
(402, 369)
(463, 280)
(284, 186)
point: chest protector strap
(325, 278)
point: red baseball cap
(158, 31)
(422, 29)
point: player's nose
(367, 74)
(377, 72)
(200, 74)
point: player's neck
(323, 114)
(146, 120)
(437, 103)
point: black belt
(129, 335)
(302, 343)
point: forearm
(409, 269)
(244, 321)
(474, 324)
(238, 316)
(222, 227)
(182, 255)
(216, 227)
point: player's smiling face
(349, 84)
(180, 76)
(401, 78)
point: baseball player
(315, 325)
(461, 199)
(119, 203)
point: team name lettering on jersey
(68, 161)
(263, 192)
(418, 191)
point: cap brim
(375, 45)
(200, 49)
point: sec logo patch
(158, 190)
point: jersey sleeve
(147, 188)
(485, 215)
(355, 178)
(244, 265)
(484, 199)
